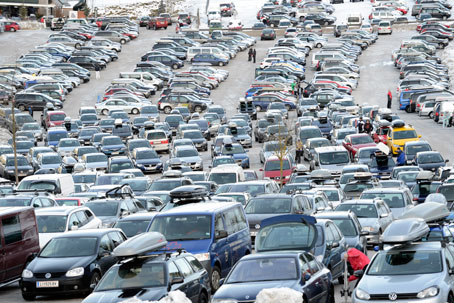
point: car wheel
(408, 109)
(444, 17)
(258, 108)
(13, 29)
(174, 66)
(215, 278)
(165, 27)
(122, 41)
(154, 27)
(22, 107)
(288, 107)
(272, 25)
(135, 111)
(198, 108)
(431, 115)
(450, 298)
(105, 112)
(95, 278)
(221, 64)
(148, 27)
(77, 46)
(28, 297)
(167, 109)
(203, 298)
(319, 45)
(326, 22)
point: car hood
(368, 221)
(119, 146)
(191, 246)
(50, 166)
(333, 167)
(398, 283)
(249, 290)
(432, 166)
(119, 295)
(403, 141)
(51, 265)
(96, 164)
(358, 146)
(148, 161)
(190, 159)
(254, 219)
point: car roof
(62, 210)
(386, 189)
(327, 149)
(334, 215)
(195, 208)
(88, 233)
(139, 216)
(362, 201)
(277, 254)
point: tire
(135, 111)
(444, 17)
(21, 107)
(408, 109)
(198, 108)
(301, 19)
(165, 27)
(431, 115)
(148, 27)
(214, 278)
(272, 25)
(28, 297)
(105, 112)
(167, 109)
(13, 29)
(122, 41)
(450, 298)
(288, 107)
(77, 46)
(174, 66)
(221, 64)
(203, 298)
(155, 28)
(318, 45)
(326, 23)
(258, 108)
(95, 277)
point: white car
(385, 27)
(53, 221)
(426, 109)
(235, 24)
(118, 104)
(367, 27)
(158, 139)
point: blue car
(54, 135)
(210, 58)
(147, 160)
(238, 153)
(112, 146)
(299, 271)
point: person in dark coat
(254, 54)
(249, 55)
(30, 111)
(390, 99)
(368, 127)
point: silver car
(374, 216)
(399, 200)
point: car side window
(12, 229)
(184, 267)
(230, 221)
(174, 272)
(337, 234)
(310, 260)
(449, 258)
(241, 219)
(105, 244)
(37, 203)
(195, 264)
(82, 218)
(116, 238)
(89, 215)
(329, 235)
(73, 221)
(218, 224)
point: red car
(272, 169)
(54, 118)
(71, 201)
(157, 23)
(354, 142)
(11, 26)
(381, 134)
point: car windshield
(136, 275)
(222, 178)
(14, 202)
(68, 143)
(116, 167)
(183, 227)
(112, 141)
(366, 153)
(269, 206)
(360, 210)
(276, 165)
(408, 176)
(81, 178)
(140, 185)
(412, 149)
(96, 158)
(330, 158)
(232, 149)
(57, 117)
(187, 153)
(149, 110)
(286, 236)
(133, 227)
(146, 154)
(392, 263)
(361, 140)
(192, 135)
(88, 132)
(430, 158)
(308, 102)
(405, 134)
(357, 187)
(20, 161)
(51, 224)
(107, 122)
(272, 147)
(31, 126)
(342, 134)
(346, 226)
(310, 133)
(447, 191)
(88, 117)
(69, 247)
(394, 200)
(164, 184)
(108, 209)
(68, 202)
(263, 124)
(332, 194)
(253, 189)
(37, 184)
(265, 269)
(156, 135)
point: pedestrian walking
(360, 125)
(299, 150)
(293, 87)
(177, 29)
(254, 54)
(30, 111)
(400, 157)
(390, 99)
(368, 127)
(249, 55)
(298, 87)
(97, 72)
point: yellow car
(398, 136)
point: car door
(222, 247)
(191, 284)
(174, 274)
(336, 252)
(105, 258)
(313, 287)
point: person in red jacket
(390, 99)
(356, 260)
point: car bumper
(373, 239)
(65, 286)
(436, 299)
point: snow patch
(447, 57)
(173, 297)
(279, 295)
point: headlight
(428, 292)
(75, 272)
(361, 294)
(396, 145)
(27, 274)
(369, 229)
(224, 301)
(107, 224)
(202, 257)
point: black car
(268, 34)
(321, 19)
(36, 101)
(144, 21)
(260, 128)
(71, 263)
(151, 275)
(87, 62)
(167, 60)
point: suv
(36, 101)
(169, 102)
(87, 62)
(399, 200)
(157, 23)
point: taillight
(418, 105)
(164, 141)
(151, 142)
(436, 114)
(415, 199)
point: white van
(227, 173)
(73, 22)
(214, 14)
(59, 185)
(446, 107)
(321, 56)
(192, 51)
(145, 77)
(355, 19)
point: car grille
(399, 296)
(53, 275)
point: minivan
(144, 77)
(19, 241)
(192, 51)
(226, 173)
(58, 184)
(216, 233)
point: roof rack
(114, 192)
(140, 245)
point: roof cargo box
(404, 230)
(429, 212)
(140, 245)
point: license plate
(42, 284)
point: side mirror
(383, 215)
(104, 253)
(152, 209)
(261, 169)
(359, 273)
(364, 233)
(306, 277)
(447, 160)
(419, 136)
(451, 271)
(221, 281)
(92, 286)
(124, 213)
(335, 244)
(221, 234)
(177, 280)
